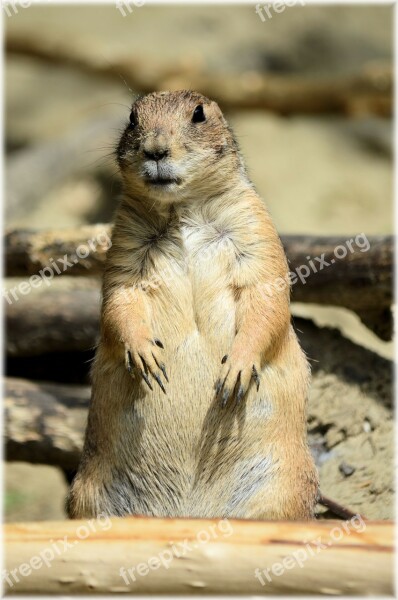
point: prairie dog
(199, 382)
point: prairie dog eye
(133, 120)
(198, 114)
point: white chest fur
(209, 255)
(209, 251)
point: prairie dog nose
(156, 154)
(156, 147)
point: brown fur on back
(194, 266)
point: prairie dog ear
(217, 110)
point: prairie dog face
(174, 147)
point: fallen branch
(215, 557)
(370, 91)
(338, 510)
(361, 281)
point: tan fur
(189, 264)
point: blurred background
(308, 92)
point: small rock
(346, 470)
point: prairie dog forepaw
(235, 378)
(144, 358)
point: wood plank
(216, 557)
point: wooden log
(360, 281)
(369, 91)
(55, 321)
(30, 251)
(44, 422)
(189, 556)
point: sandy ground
(318, 175)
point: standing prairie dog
(199, 382)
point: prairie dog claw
(145, 354)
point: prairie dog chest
(209, 252)
(210, 260)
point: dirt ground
(318, 175)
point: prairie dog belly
(208, 254)
(193, 313)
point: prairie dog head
(176, 146)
